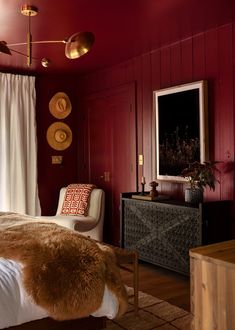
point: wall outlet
(56, 159)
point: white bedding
(16, 306)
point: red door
(111, 154)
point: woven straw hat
(60, 105)
(59, 136)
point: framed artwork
(181, 129)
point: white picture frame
(181, 129)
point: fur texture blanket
(63, 271)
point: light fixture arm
(38, 42)
(75, 46)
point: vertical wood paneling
(139, 96)
(121, 74)
(156, 70)
(147, 118)
(156, 84)
(108, 78)
(176, 75)
(165, 67)
(208, 56)
(211, 49)
(176, 68)
(166, 82)
(226, 91)
(198, 57)
(211, 61)
(226, 119)
(187, 60)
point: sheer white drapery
(18, 145)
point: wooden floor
(162, 283)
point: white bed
(66, 273)
(17, 307)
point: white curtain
(18, 145)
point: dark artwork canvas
(179, 131)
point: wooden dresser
(212, 271)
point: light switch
(141, 159)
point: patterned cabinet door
(162, 233)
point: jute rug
(153, 314)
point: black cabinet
(164, 231)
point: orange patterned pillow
(76, 199)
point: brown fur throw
(63, 271)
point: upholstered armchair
(91, 224)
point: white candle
(143, 180)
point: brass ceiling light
(75, 46)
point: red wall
(210, 56)
(52, 177)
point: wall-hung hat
(60, 105)
(59, 136)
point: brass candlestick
(143, 182)
(142, 192)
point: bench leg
(136, 283)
